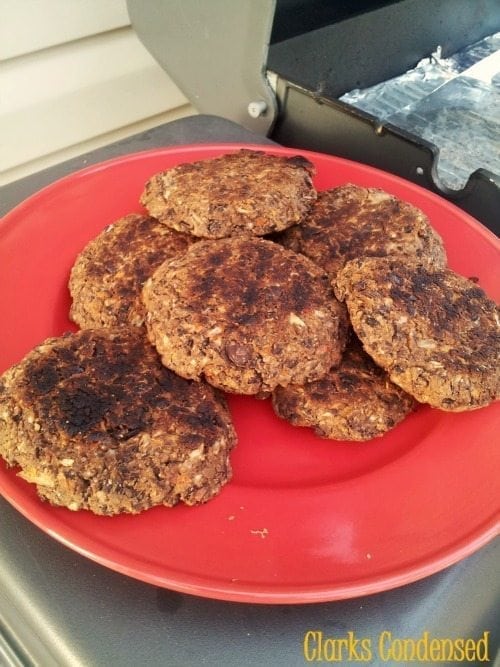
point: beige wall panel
(31, 25)
(76, 94)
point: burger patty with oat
(436, 333)
(245, 314)
(349, 221)
(355, 401)
(248, 193)
(96, 422)
(107, 278)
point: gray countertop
(58, 608)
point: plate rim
(232, 591)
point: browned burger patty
(355, 401)
(436, 333)
(350, 221)
(108, 275)
(247, 192)
(97, 422)
(246, 314)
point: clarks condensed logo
(350, 648)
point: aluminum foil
(452, 102)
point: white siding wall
(74, 76)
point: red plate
(304, 519)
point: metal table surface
(58, 608)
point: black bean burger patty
(349, 221)
(97, 422)
(243, 193)
(245, 314)
(355, 401)
(107, 277)
(436, 333)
